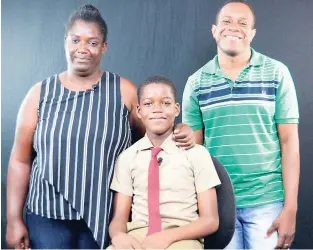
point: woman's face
(84, 47)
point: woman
(78, 122)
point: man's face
(157, 108)
(234, 30)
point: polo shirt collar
(213, 68)
(257, 59)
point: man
(242, 105)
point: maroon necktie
(154, 193)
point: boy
(163, 185)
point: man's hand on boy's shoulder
(125, 241)
(183, 136)
(156, 241)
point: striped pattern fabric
(239, 119)
(79, 136)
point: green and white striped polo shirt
(239, 120)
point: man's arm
(287, 118)
(199, 136)
(184, 136)
(285, 224)
(191, 113)
(289, 141)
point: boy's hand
(125, 241)
(183, 136)
(156, 241)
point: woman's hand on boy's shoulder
(125, 241)
(183, 136)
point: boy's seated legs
(140, 233)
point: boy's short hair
(157, 79)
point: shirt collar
(257, 58)
(168, 145)
(213, 68)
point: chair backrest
(226, 209)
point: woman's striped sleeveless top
(78, 138)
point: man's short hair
(237, 1)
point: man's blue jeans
(47, 233)
(252, 225)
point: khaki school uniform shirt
(183, 174)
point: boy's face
(157, 108)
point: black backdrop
(166, 37)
